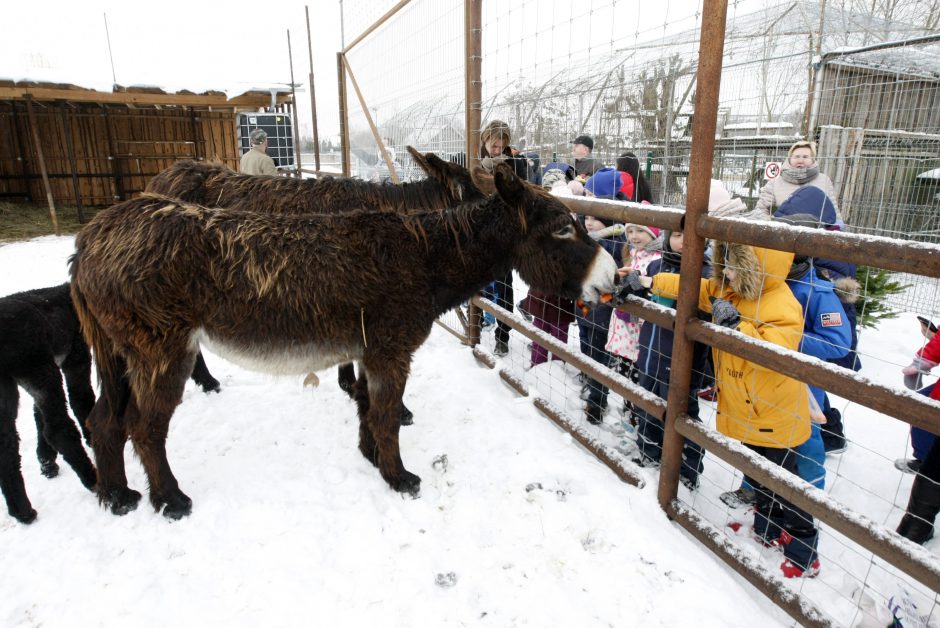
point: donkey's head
(455, 179)
(555, 254)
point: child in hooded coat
(815, 202)
(767, 411)
(655, 367)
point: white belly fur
(295, 360)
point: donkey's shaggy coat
(39, 337)
(215, 185)
(292, 294)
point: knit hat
(566, 169)
(607, 183)
(721, 205)
(799, 220)
(257, 137)
(587, 140)
(811, 200)
(551, 177)
(717, 196)
(652, 231)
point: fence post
(711, 47)
(343, 114)
(473, 89)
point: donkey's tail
(111, 366)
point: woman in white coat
(799, 170)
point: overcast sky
(241, 44)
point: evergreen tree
(877, 288)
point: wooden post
(313, 98)
(113, 158)
(343, 113)
(473, 98)
(293, 107)
(21, 149)
(194, 122)
(375, 131)
(42, 164)
(73, 166)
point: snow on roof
(930, 174)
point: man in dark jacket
(584, 163)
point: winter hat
(721, 205)
(566, 169)
(607, 183)
(717, 196)
(587, 140)
(799, 220)
(551, 177)
(257, 137)
(811, 200)
(652, 231)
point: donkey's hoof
(407, 416)
(177, 507)
(122, 500)
(25, 516)
(49, 468)
(408, 483)
(211, 386)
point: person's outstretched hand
(724, 313)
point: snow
(516, 525)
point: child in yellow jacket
(767, 411)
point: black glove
(724, 313)
(630, 285)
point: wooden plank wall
(115, 149)
(856, 97)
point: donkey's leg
(108, 437)
(11, 476)
(346, 375)
(45, 453)
(77, 371)
(157, 400)
(44, 384)
(203, 377)
(386, 377)
(366, 440)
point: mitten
(724, 313)
(631, 284)
(914, 372)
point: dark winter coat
(551, 308)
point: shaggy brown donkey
(40, 341)
(153, 277)
(215, 185)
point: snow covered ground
(516, 524)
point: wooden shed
(98, 148)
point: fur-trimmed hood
(847, 289)
(757, 269)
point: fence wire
(626, 76)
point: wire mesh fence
(628, 79)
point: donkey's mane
(207, 184)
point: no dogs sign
(772, 170)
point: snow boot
(922, 509)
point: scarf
(799, 176)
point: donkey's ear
(419, 159)
(510, 187)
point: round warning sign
(772, 170)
